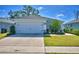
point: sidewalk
(59, 49)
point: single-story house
(5, 24)
(26, 24)
(74, 24)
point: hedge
(72, 31)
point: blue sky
(61, 12)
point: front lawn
(3, 35)
(61, 40)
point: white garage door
(29, 28)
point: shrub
(12, 30)
(66, 30)
(75, 31)
(72, 31)
(61, 32)
(3, 30)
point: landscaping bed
(72, 40)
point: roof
(72, 22)
(6, 21)
(30, 18)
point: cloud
(40, 8)
(60, 15)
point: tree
(37, 11)
(33, 11)
(29, 10)
(16, 14)
(10, 13)
(55, 25)
(13, 14)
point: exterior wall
(27, 26)
(73, 26)
(36, 22)
(5, 26)
(30, 27)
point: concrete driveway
(22, 43)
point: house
(74, 24)
(26, 24)
(5, 25)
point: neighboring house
(27, 24)
(74, 24)
(5, 24)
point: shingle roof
(32, 17)
(73, 21)
(6, 21)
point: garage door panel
(29, 28)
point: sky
(61, 12)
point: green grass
(3, 35)
(61, 40)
